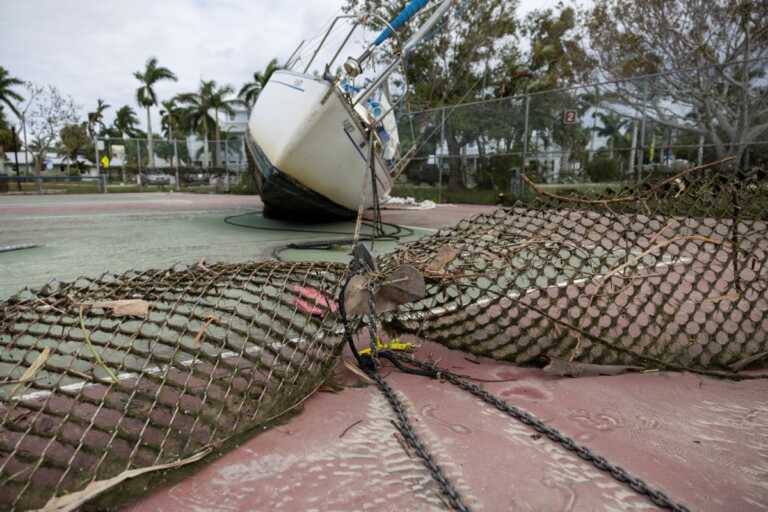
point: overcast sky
(90, 48)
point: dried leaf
(444, 256)
(72, 501)
(743, 363)
(357, 371)
(203, 329)
(126, 307)
(562, 368)
(33, 369)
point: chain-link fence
(107, 377)
(128, 164)
(612, 132)
(179, 164)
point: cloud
(90, 48)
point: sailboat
(324, 148)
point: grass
(475, 196)
(93, 188)
(418, 192)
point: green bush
(603, 169)
(247, 185)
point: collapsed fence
(127, 372)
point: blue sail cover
(406, 14)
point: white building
(234, 126)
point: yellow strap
(394, 345)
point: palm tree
(124, 126)
(7, 94)
(146, 97)
(170, 121)
(197, 112)
(97, 117)
(612, 126)
(221, 104)
(251, 90)
(125, 122)
(170, 118)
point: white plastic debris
(408, 202)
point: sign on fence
(570, 117)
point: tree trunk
(175, 157)
(150, 152)
(38, 173)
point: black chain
(657, 497)
(370, 364)
(405, 428)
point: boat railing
(325, 38)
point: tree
(722, 45)
(96, 118)
(170, 118)
(611, 127)
(250, 91)
(221, 104)
(197, 112)
(555, 58)
(76, 141)
(49, 112)
(8, 142)
(7, 95)
(125, 122)
(170, 123)
(146, 97)
(464, 60)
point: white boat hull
(306, 134)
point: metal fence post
(633, 149)
(98, 171)
(525, 131)
(138, 164)
(641, 159)
(226, 163)
(439, 160)
(241, 165)
(176, 160)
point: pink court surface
(702, 441)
